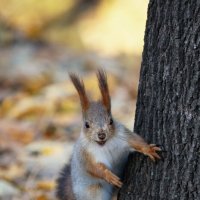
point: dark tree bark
(168, 106)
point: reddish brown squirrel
(101, 151)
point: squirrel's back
(64, 187)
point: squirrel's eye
(87, 125)
(111, 121)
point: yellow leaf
(46, 185)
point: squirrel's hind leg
(98, 192)
(95, 191)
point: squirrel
(101, 151)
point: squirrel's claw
(152, 158)
(113, 179)
(155, 147)
(117, 183)
(151, 152)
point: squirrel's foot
(150, 151)
(112, 179)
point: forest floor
(40, 115)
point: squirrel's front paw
(150, 151)
(112, 179)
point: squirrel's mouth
(101, 142)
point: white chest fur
(111, 154)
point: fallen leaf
(46, 185)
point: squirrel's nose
(101, 136)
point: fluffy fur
(97, 163)
(113, 154)
(65, 191)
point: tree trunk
(168, 106)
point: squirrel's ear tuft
(103, 86)
(79, 85)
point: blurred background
(40, 116)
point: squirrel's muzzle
(102, 136)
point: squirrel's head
(98, 125)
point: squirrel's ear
(79, 85)
(103, 86)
